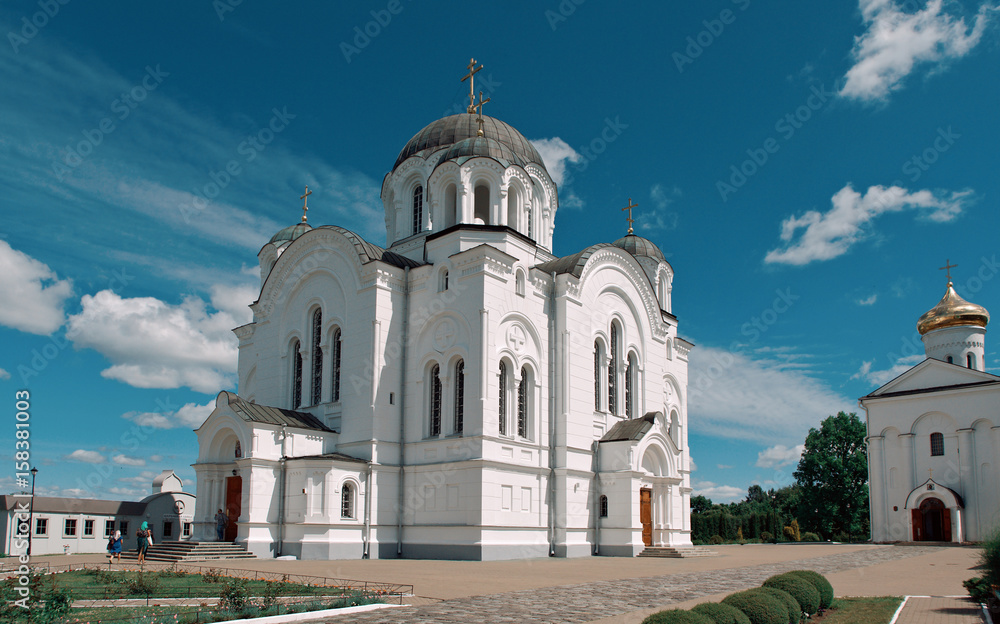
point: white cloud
(867, 301)
(143, 480)
(735, 396)
(659, 217)
(34, 293)
(827, 235)
(884, 376)
(156, 458)
(556, 153)
(127, 493)
(896, 42)
(4, 374)
(779, 455)
(152, 344)
(191, 416)
(693, 465)
(89, 457)
(125, 460)
(723, 467)
(718, 493)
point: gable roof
(52, 504)
(253, 412)
(632, 429)
(933, 375)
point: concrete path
(940, 610)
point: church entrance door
(932, 522)
(234, 506)
(646, 515)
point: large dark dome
(639, 246)
(457, 128)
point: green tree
(833, 477)
(700, 504)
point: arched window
(531, 224)
(503, 398)
(631, 370)
(436, 401)
(238, 453)
(459, 395)
(481, 198)
(612, 372)
(337, 342)
(296, 375)
(523, 403)
(950, 360)
(598, 365)
(450, 206)
(418, 209)
(512, 208)
(317, 357)
(519, 282)
(604, 506)
(971, 360)
(347, 501)
(937, 444)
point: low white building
(462, 393)
(83, 525)
(934, 435)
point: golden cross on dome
(473, 70)
(948, 266)
(305, 202)
(479, 110)
(629, 208)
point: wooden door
(646, 515)
(234, 506)
(946, 525)
(917, 520)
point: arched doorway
(931, 521)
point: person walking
(221, 520)
(115, 547)
(144, 537)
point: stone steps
(192, 551)
(678, 552)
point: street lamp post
(31, 509)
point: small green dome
(290, 233)
(639, 246)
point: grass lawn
(860, 611)
(96, 585)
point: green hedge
(678, 616)
(722, 613)
(791, 605)
(759, 608)
(820, 583)
(801, 590)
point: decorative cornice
(613, 255)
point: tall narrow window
(347, 501)
(436, 400)
(604, 506)
(296, 376)
(937, 444)
(597, 376)
(629, 387)
(418, 209)
(459, 395)
(522, 404)
(317, 357)
(612, 372)
(503, 398)
(337, 342)
(531, 231)
(970, 360)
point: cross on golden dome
(948, 267)
(471, 77)
(305, 202)
(629, 208)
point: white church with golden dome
(934, 435)
(462, 392)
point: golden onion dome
(952, 311)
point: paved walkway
(940, 610)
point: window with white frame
(631, 385)
(519, 283)
(598, 373)
(418, 209)
(88, 528)
(613, 371)
(69, 527)
(524, 403)
(347, 501)
(459, 396)
(937, 444)
(296, 375)
(335, 363)
(502, 399)
(317, 357)
(435, 406)
(109, 528)
(41, 526)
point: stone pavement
(940, 610)
(587, 602)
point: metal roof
(456, 128)
(633, 429)
(367, 252)
(481, 146)
(52, 504)
(291, 232)
(571, 264)
(639, 246)
(332, 456)
(253, 412)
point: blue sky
(806, 169)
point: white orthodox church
(462, 393)
(934, 435)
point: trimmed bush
(792, 610)
(722, 613)
(801, 590)
(760, 608)
(716, 539)
(677, 616)
(766, 537)
(809, 536)
(820, 583)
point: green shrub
(990, 559)
(792, 610)
(979, 588)
(235, 596)
(211, 576)
(766, 537)
(801, 590)
(141, 584)
(820, 583)
(716, 539)
(842, 537)
(677, 616)
(759, 608)
(722, 613)
(809, 536)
